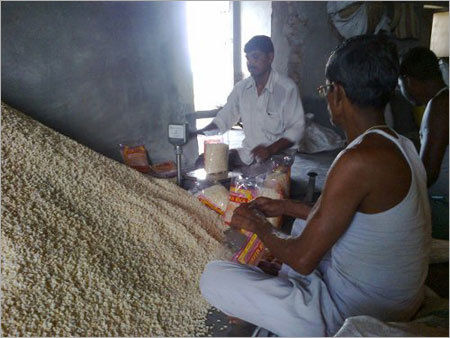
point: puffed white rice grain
(91, 247)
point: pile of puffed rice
(91, 247)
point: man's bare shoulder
(371, 168)
(374, 154)
(372, 147)
(435, 117)
(352, 162)
(439, 105)
(350, 176)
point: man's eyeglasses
(325, 89)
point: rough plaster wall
(100, 72)
(303, 40)
(279, 39)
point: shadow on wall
(101, 73)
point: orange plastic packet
(166, 169)
(135, 157)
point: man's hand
(261, 152)
(195, 133)
(210, 129)
(247, 218)
(268, 206)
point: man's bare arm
(210, 127)
(273, 208)
(328, 220)
(435, 138)
(280, 145)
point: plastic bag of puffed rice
(242, 190)
(272, 184)
(215, 154)
(135, 156)
(271, 188)
(214, 197)
(276, 171)
(251, 252)
(279, 176)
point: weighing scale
(178, 136)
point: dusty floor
(221, 327)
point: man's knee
(211, 277)
(219, 279)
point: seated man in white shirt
(268, 105)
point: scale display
(178, 133)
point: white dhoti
(290, 304)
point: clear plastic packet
(214, 196)
(270, 179)
(251, 252)
(275, 182)
(278, 168)
(272, 188)
(247, 247)
(242, 190)
(135, 155)
(281, 172)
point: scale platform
(200, 175)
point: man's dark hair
(367, 67)
(259, 42)
(421, 64)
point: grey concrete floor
(221, 327)
(303, 164)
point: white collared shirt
(277, 113)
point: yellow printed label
(245, 194)
(244, 252)
(210, 205)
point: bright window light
(210, 39)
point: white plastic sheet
(318, 138)
(366, 326)
(431, 321)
